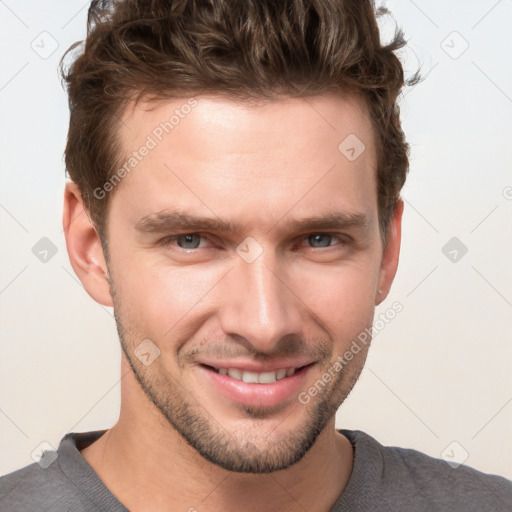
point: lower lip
(258, 395)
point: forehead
(224, 125)
(213, 153)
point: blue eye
(188, 241)
(323, 239)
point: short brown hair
(243, 49)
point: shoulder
(410, 475)
(431, 475)
(36, 488)
(60, 480)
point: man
(235, 171)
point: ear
(390, 254)
(84, 247)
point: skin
(180, 443)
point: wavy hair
(242, 49)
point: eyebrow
(170, 221)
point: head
(239, 165)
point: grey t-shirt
(384, 479)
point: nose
(260, 305)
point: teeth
(235, 374)
(250, 377)
(257, 378)
(267, 378)
(281, 374)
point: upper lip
(255, 366)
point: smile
(265, 388)
(255, 377)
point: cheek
(164, 302)
(343, 298)
(159, 299)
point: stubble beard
(242, 451)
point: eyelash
(167, 241)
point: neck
(147, 465)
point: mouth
(266, 388)
(251, 377)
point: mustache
(313, 348)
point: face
(245, 246)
